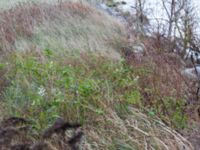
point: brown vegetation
(161, 82)
(40, 26)
(163, 90)
(21, 20)
(15, 135)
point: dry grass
(71, 27)
(166, 69)
(137, 131)
(76, 27)
(165, 91)
(7, 4)
(108, 123)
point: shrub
(43, 87)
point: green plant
(133, 97)
(43, 87)
(175, 112)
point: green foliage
(110, 3)
(119, 145)
(170, 110)
(175, 110)
(43, 87)
(133, 97)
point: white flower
(41, 91)
(136, 78)
(51, 64)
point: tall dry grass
(75, 27)
(66, 27)
(165, 90)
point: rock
(135, 52)
(115, 12)
(138, 48)
(192, 55)
(139, 51)
(125, 5)
(107, 9)
(190, 73)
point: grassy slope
(45, 81)
(7, 4)
(79, 28)
(97, 92)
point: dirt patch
(15, 134)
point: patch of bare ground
(15, 135)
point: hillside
(73, 66)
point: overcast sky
(155, 10)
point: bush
(42, 87)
